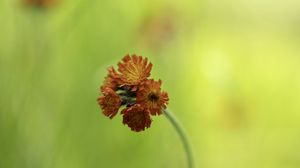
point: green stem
(183, 137)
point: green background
(231, 69)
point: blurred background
(231, 69)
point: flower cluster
(130, 88)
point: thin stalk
(183, 137)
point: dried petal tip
(111, 80)
(136, 117)
(110, 102)
(151, 97)
(134, 69)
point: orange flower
(150, 96)
(130, 88)
(136, 117)
(134, 69)
(110, 102)
(111, 80)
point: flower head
(130, 88)
(110, 102)
(134, 69)
(151, 96)
(136, 117)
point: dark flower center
(153, 97)
(128, 97)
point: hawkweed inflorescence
(131, 89)
(139, 97)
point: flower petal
(134, 69)
(151, 97)
(110, 102)
(136, 117)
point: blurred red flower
(40, 3)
